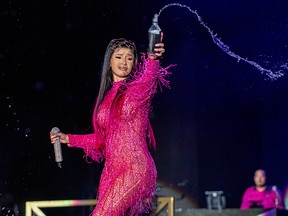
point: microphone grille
(55, 130)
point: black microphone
(57, 148)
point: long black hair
(106, 75)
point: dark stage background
(221, 119)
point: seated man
(261, 195)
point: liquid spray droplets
(272, 75)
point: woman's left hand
(159, 50)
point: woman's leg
(126, 191)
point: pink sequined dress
(121, 127)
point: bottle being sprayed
(154, 33)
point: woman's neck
(118, 79)
(261, 188)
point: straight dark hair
(106, 75)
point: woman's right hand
(62, 137)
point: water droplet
(272, 75)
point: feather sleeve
(148, 78)
(92, 144)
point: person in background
(261, 195)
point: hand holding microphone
(57, 138)
(55, 133)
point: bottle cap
(155, 18)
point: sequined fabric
(122, 126)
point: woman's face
(121, 63)
(260, 178)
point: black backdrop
(221, 119)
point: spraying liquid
(272, 75)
